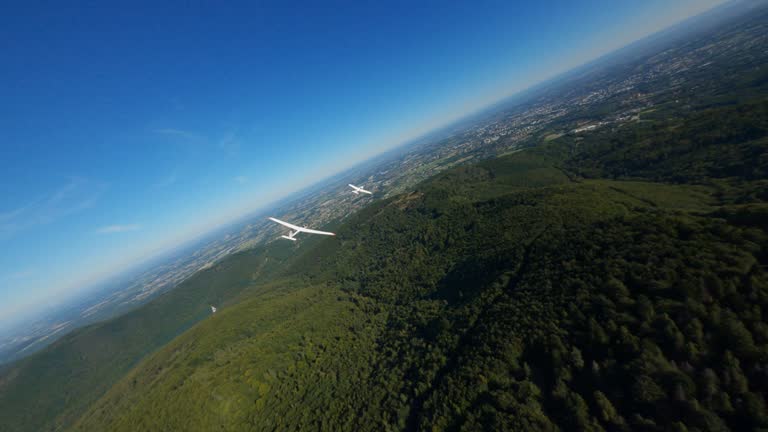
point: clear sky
(126, 129)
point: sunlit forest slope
(607, 280)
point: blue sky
(126, 129)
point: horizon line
(435, 125)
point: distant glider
(358, 190)
(298, 229)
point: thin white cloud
(167, 180)
(179, 133)
(74, 196)
(10, 215)
(113, 229)
(21, 274)
(230, 143)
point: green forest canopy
(612, 280)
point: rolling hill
(606, 272)
(52, 387)
(570, 286)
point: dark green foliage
(54, 386)
(725, 146)
(609, 280)
(502, 296)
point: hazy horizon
(119, 184)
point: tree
(645, 390)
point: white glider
(213, 309)
(297, 229)
(358, 190)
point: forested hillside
(606, 280)
(52, 388)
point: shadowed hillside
(562, 287)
